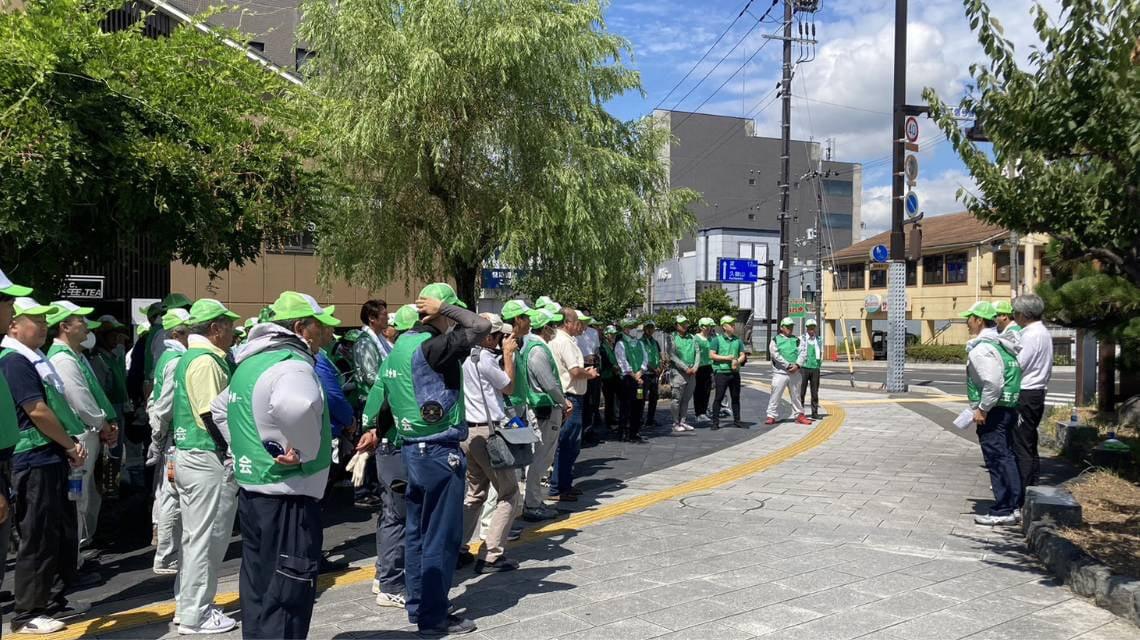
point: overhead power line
(710, 50)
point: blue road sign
(738, 270)
(499, 278)
(880, 253)
(911, 204)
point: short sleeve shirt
(27, 387)
(568, 356)
(483, 388)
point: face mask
(88, 342)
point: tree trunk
(1106, 377)
(465, 282)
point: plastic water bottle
(384, 448)
(1073, 419)
(75, 484)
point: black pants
(280, 560)
(611, 391)
(631, 408)
(391, 521)
(995, 439)
(590, 404)
(48, 557)
(729, 382)
(704, 388)
(810, 377)
(1030, 409)
(651, 384)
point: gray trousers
(207, 498)
(683, 387)
(390, 523)
(90, 501)
(543, 456)
(168, 517)
(783, 380)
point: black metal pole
(898, 151)
(768, 321)
(785, 159)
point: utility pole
(896, 273)
(785, 159)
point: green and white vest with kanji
(811, 359)
(418, 416)
(89, 377)
(725, 346)
(32, 438)
(652, 351)
(1011, 378)
(252, 463)
(703, 346)
(188, 436)
(610, 359)
(524, 393)
(164, 360)
(9, 423)
(686, 348)
(788, 347)
(634, 353)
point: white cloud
(937, 198)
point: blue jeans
(434, 528)
(995, 437)
(569, 446)
(390, 523)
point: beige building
(963, 260)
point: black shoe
(739, 425)
(500, 565)
(67, 610)
(714, 427)
(465, 558)
(368, 502)
(515, 533)
(451, 609)
(454, 626)
(328, 566)
(815, 415)
(639, 440)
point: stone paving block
(938, 570)
(817, 580)
(757, 596)
(544, 627)
(604, 612)
(993, 608)
(803, 564)
(851, 624)
(1075, 614)
(768, 619)
(1116, 630)
(912, 604)
(831, 601)
(1024, 629)
(746, 576)
(681, 593)
(487, 619)
(614, 588)
(689, 614)
(937, 626)
(887, 584)
(678, 573)
(1045, 592)
(709, 630)
(532, 606)
(628, 629)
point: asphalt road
(1062, 387)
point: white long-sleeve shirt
(161, 410)
(1036, 356)
(623, 362)
(76, 390)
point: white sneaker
(991, 521)
(391, 600)
(677, 428)
(40, 625)
(686, 426)
(166, 571)
(215, 622)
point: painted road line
(907, 400)
(823, 430)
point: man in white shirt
(575, 377)
(484, 384)
(1036, 360)
(630, 355)
(590, 343)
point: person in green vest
(422, 380)
(993, 383)
(280, 437)
(71, 336)
(45, 453)
(651, 382)
(108, 359)
(812, 348)
(1004, 319)
(683, 357)
(727, 354)
(704, 383)
(203, 471)
(165, 514)
(787, 358)
(157, 337)
(611, 377)
(634, 365)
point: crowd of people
(456, 425)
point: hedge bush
(948, 353)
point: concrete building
(737, 173)
(964, 260)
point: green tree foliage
(715, 302)
(108, 136)
(478, 130)
(606, 302)
(1068, 127)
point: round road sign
(880, 253)
(910, 204)
(910, 169)
(911, 129)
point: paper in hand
(964, 419)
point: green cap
(681, 320)
(24, 306)
(706, 322)
(981, 309)
(786, 322)
(585, 319)
(176, 317)
(629, 323)
(208, 309)
(239, 330)
(406, 317)
(443, 292)
(111, 321)
(93, 324)
(541, 318)
(65, 309)
(142, 330)
(250, 322)
(291, 305)
(729, 320)
(152, 309)
(544, 302)
(176, 301)
(14, 290)
(515, 308)
(1003, 308)
(811, 323)
(611, 330)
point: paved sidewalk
(868, 535)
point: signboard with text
(82, 288)
(499, 278)
(800, 308)
(737, 270)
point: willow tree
(1068, 125)
(477, 130)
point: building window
(304, 242)
(878, 278)
(911, 273)
(752, 181)
(256, 46)
(1001, 265)
(303, 56)
(855, 277)
(837, 188)
(957, 268)
(840, 275)
(839, 220)
(932, 270)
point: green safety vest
(372, 406)
(608, 372)
(398, 375)
(788, 347)
(1013, 327)
(653, 351)
(811, 360)
(188, 436)
(725, 346)
(252, 463)
(159, 367)
(703, 345)
(523, 394)
(117, 393)
(88, 376)
(9, 423)
(33, 438)
(634, 353)
(1011, 374)
(686, 348)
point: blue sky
(844, 93)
